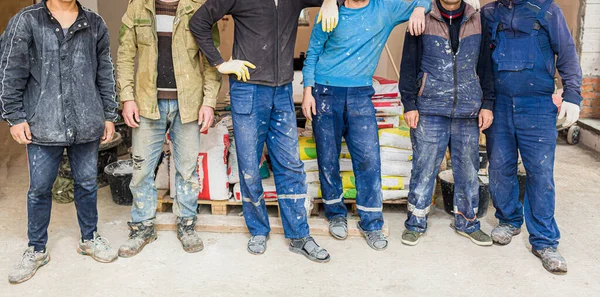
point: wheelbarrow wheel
(573, 135)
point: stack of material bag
(394, 139)
(395, 148)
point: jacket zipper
(455, 68)
(276, 43)
(455, 93)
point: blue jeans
(430, 140)
(349, 113)
(147, 147)
(43, 168)
(262, 113)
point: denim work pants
(349, 113)
(430, 140)
(263, 113)
(43, 169)
(147, 147)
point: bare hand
(131, 114)
(412, 118)
(416, 23)
(206, 116)
(309, 106)
(21, 133)
(109, 132)
(486, 118)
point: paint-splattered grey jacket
(62, 85)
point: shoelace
(101, 242)
(375, 236)
(27, 259)
(189, 230)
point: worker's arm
(410, 67)
(212, 77)
(318, 38)
(485, 68)
(126, 57)
(567, 61)
(14, 69)
(402, 10)
(201, 25)
(105, 78)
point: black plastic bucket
(446, 180)
(107, 154)
(119, 175)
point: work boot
(503, 233)
(411, 238)
(551, 260)
(190, 240)
(257, 245)
(375, 239)
(477, 237)
(310, 249)
(338, 227)
(140, 235)
(28, 265)
(98, 248)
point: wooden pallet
(222, 208)
(352, 203)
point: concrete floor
(443, 264)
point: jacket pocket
(190, 44)
(422, 88)
(241, 96)
(144, 32)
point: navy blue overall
(525, 122)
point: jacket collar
(81, 16)
(469, 12)
(514, 2)
(149, 4)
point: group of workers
(465, 69)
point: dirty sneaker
(551, 260)
(257, 245)
(98, 248)
(190, 240)
(477, 237)
(140, 235)
(310, 249)
(503, 233)
(375, 239)
(28, 265)
(338, 227)
(411, 238)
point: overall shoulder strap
(541, 16)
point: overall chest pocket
(515, 54)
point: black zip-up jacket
(63, 86)
(265, 35)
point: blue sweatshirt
(348, 56)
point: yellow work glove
(237, 67)
(329, 15)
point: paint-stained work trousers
(266, 114)
(43, 168)
(349, 113)
(525, 123)
(147, 147)
(430, 140)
